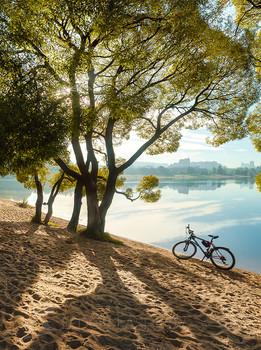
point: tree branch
(150, 122)
(51, 70)
(160, 131)
(68, 170)
(103, 153)
(91, 156)
(109, 144)
(105, 68)
(254, 4)
(128, 197)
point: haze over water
(229, 208)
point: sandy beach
(59, 290)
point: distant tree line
(221, 170)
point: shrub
(23, 204)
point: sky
(194, 146)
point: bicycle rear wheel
(184, 250)
(222, 258)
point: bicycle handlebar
(189, 230)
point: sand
(62, 291)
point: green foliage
(247, 16)
(27, 176)
(258, 182)
(52, 224)
(33, 124)
(146, 189)
(254, 126)
(32, 127)
(143, 58)
(67, 183)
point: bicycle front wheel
(222, 258)
(184, 250)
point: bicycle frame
(193, 237)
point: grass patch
(52, 224)
(23, 204)
(98, 236)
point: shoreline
(62, 222)
(62, 291)
(191, 177)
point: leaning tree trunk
(39, 202)
(107, 198)
(77, 207)
(53, 194)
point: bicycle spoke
(222, 258)
(184, 250)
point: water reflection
(12, 189)
(186, 185)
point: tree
(258, 182)
(29, 126)
(31, 133)
(54, 191)
(143, 66)
(33, 126)
(247, 20)
(59, 183)
(34, 178)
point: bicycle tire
(184, 250)
(222, 258)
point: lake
(230, 208)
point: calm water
(229, 208)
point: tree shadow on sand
(26, 253)
(134, 299)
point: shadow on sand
(95, 295)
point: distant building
(206, 165)
(249, 165)
(186, 163)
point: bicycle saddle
(214, 237)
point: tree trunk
(39, 202)
(53, 194)
(95, 227)
(77, 206)
(50, 210)
(107, 198)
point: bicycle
(221, 257)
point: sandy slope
(60, 291)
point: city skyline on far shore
(187, 162)
(193, 145)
